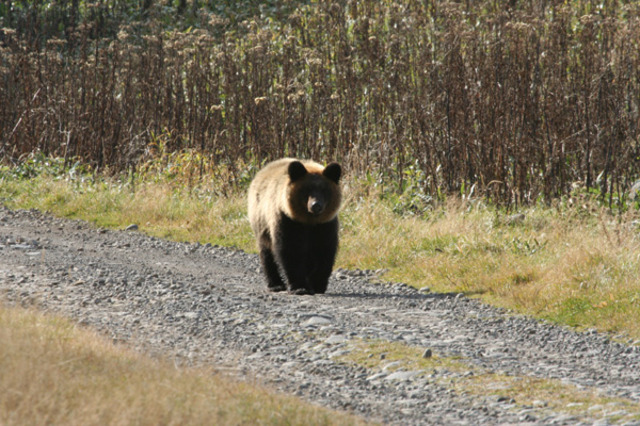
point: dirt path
(204, 304)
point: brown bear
(293, 208)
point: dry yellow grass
(575, 265)
(52, 372)
(161, 209)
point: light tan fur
(272, 192)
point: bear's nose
(315, 207)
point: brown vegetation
(518, 103)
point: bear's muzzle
(315, 206)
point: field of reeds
(517, 101)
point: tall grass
(516, 102)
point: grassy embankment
(53, 372)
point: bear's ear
(296, 170)
(333, 171)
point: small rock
(428, 353)
(506, 399)
(391, 365)
(402, 375)
(338, 353)
(528, 417)
(335, 339)
(316, 320)
(132, 227)
(376, 376)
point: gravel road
(208, 304)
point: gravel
(204, 304)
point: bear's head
(314, 194)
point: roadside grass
(465, 378)
(56, 373)
(160, 209)
(573, 263)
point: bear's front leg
(291, 248)
(274, 281)
(295, 269)
(324, 246)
